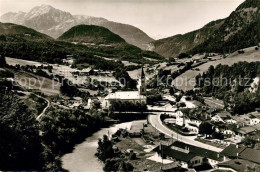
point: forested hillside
(91, 34)
(232, 84)
(173, 46)
(240, 30)
(44, 49)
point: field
(135, 74)
(186, 81)
(14, 61)
(34, 82)
(62, 70)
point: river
(83, 157)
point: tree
(217, 135)
(19, 135)
(178, 98)
(105, 149)
(2, 61)
(249, 142)
(68, 89)
(172, 90)
(117, 164)
(206, 128)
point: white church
(128, 96)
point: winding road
(156, 122)
(44, 110)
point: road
(156, 122)
(44, 110)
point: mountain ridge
(7, 29)
(172, 46)
(239, 30)
(54, 22)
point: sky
(157, 18)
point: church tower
(142, 88)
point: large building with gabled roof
(128, 96)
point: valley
(82, 93)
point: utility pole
(161, 148)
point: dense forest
(20, 144)
(91, 34)
(232, 83)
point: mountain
(240, 30)
(171, 47)
(54, 23)
(91, 34)
(11, 17)
(25, 43)
(9, 29)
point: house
(254, 118)
(236, 165)
(232, 151)
(183, 156)
(128, 96)
(229, 133)
(86, 72)
(221, 117)
(91, 102)
(192, 124)
(254, 121)
(245, 131)
(241, 152)
(189, 156)
(217, 118)
(242, 120)
(251, 155)
(212, 157)
(231, 121)
(180, 118)
(70, 59)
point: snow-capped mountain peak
(39, 10)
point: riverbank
(60, 133)
(85, 139)
(82, 157)
(114, 119)
(135, 147)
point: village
(127, 85)
(178, 131)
